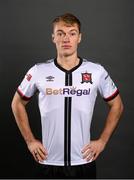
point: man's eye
(73, 34)
(60, 34)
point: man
(67, 88)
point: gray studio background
(25, 39)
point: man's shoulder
(42, 66)
(45, 63)
(92, 64)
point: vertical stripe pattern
(67, 123)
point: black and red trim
(22, 95)
(112, 96)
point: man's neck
(68, 62)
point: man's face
(66, 38)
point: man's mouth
(66, 46)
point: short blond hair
(68, 18)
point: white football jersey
(66, 103)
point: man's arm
(94, 148)
(35, 146)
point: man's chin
(66, 54)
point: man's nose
(66, 38)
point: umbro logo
(49, 78)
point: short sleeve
(107, 87)
(27, 88)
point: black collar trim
(65, 70)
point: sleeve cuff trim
(112, 96)
(22, 95)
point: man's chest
(77, 83)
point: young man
(67, 87)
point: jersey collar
(68, 71)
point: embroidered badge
(86, 77)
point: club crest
(86, 78)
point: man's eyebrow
(74, 30)
(60, 30)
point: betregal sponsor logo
(67, 91)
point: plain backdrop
(108, 39)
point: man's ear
(53, 38)
(80, 35)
